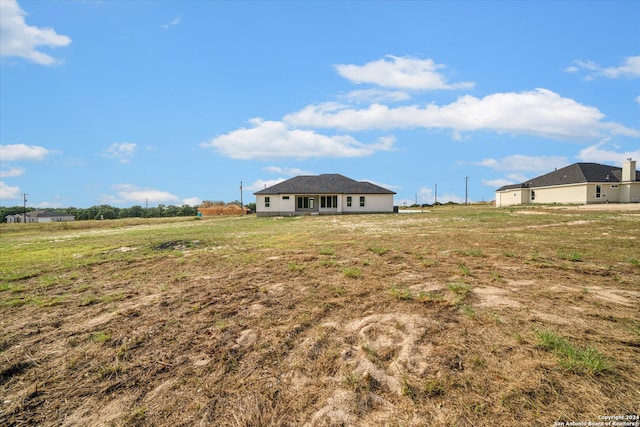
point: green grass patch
(378, 250)
(327, 251)
(574, 359)
(352, 272)
(100, 336)
(402, 294)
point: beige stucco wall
(372, 203)
(572, 194)
(516, 196)
(279, 206)
(630, 192)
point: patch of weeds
(408, 389)
(110, 370)
(573, 257)
(472, 252)
(221, 324)
(468, 310)
(327, 251)
(634, 261)
(89, 300)
(328, 262)
(19, 302)
(496, 277)
(461, 290)
(113, 297)
(434, 387)
(535, 257)
(508, 253)
(378, 250)
(11, 288)
(402, 294)
(573, 359)
(100, 336)
(138, 414)
(338, 291)
(429, 262)
(430, 297)
(355, 382)
(464, 270)
(295, 267)
(352, 272)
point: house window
(349, 201)
(328, 201)
(361, 201)
(285, 197)
(305, 202)
(267, 201)
(533, 195)
(598, 191)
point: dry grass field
(460, 316)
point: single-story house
(40, 215)
(323, 194)
(579, 183)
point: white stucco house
(40, 215)
(579, 183)
(326, 194)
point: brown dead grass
(259, 325)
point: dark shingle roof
(573, 174)
(324, 184)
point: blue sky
(173, 102)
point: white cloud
(374, 95)
(128, 193)
(261, 184)
(13, 152)
(539, 112)
(192, 201)
(400, 72)
(638, 99)
(13, 172)
(287, 171)
(46, 204)
(382, 184)
(8, 192)
(497, 183)
(519, 162)
(451, 197)
(272, 139)
(630, 68)
(600, 153)
(175, 21)
(22, 40)
(121, 151)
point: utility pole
(241, 202)
(466, 190)
(24, 212)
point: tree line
(112, 212)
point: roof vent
(607, 177)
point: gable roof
(324, 184)
(573, 174)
